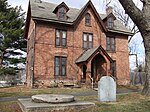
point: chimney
(109, 10)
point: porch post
(80, 73)
(88, 71)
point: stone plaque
(106, 89)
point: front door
(98, 68)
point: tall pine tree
(11, 32)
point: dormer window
(87, 19)
(110, 22)
(62, 13)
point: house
(66, 44)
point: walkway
(93, 93)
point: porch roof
(90, 52)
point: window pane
(108, 47)
(63, 42)
(87, 19)
(90, 44)
(57, 41)
(113, 47)
(56, 61)
(63, 34)
(85, 37)
(113, 40)
(63, 70)
(56, 70)
(57, 33)
(90, 38)
(63, 61)
(85, 45)
(110, 22)
(61, 13)
(108, 40)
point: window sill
(60, 77)
(61, 47)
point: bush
(8, 71)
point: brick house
(74, 45)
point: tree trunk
(146, 38)
(142, 19)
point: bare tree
(142, 20)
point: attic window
(62, 13)
(110, 22)
(87, 19)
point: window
(110, 44)
(61, 38)
(60, 66)
(113, 68)
(87, 41)
(62, 14)
(87, 19)
(110, 22)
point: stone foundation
(27, 105)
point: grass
(133, 102)
(9, 107)
(22, 91)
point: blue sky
(100, 6)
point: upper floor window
(60, 66)
(87, 40)
(110, 44)
(62, 13)
(61, 38)
(110, 22)
(87, 19)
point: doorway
(84, 73)
(98, 67)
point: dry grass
(133, 102)
(23, 91)
(9, 107)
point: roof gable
(86, 55)
(110, 15)
(83, 10)
(43, 11)
(61, 5)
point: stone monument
(54, 103)
(106, 89)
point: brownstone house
(74, 45)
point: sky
(70, 3)
(100, 7)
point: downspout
(33, 54)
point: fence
(137, 78)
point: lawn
(133, 102)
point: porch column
(79, 73)
(88, 71)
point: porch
(93, 64)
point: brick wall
(45, 50)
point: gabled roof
(90, 4)
(90, 52)
(59, 6)
(44, 11)
(109, 15)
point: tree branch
(134, 12)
